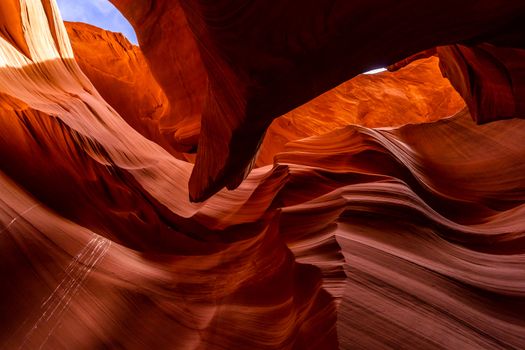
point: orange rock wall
(410, 235)
(418, 93)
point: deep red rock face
(491, 79)
(378, 214)
(265, 58)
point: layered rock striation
(377, 215)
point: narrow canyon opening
(236, 182)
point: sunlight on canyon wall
(243, 186)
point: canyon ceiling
(234, 182)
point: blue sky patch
(100, 13)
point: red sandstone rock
(121, 75)
(490, 79)
(409, 236)
(170, 49)
(265, 58)
(417, 93)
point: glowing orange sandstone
(354, 237)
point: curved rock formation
(171, 50)
(417, 93)
(489, 78)
(265, 58)
(379, 235)
(121, 75)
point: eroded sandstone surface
(365, 211)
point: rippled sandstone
(379, 215)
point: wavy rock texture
(264, 58)
(121, 75)
(397, 237)
(491, 79)
(171, 50)
(417, 93)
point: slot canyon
(235, 182)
